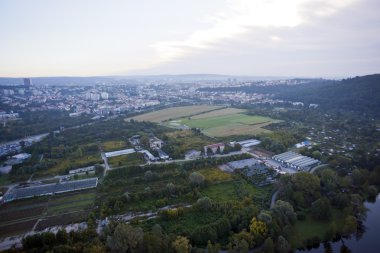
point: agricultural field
(227, 122)
(20, 216)
(126, 160)
(174, 113)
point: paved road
(273, 200)
(318, 167)
(106, 165)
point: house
(214, 148)
(192, 154)
(162, 154)
(155, 143)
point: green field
(174, 113)
(219, 125)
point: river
(368, 243)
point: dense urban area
(191, 163)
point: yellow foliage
(258, 228)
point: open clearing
(174, 113)
(229, 121)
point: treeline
(33, 123)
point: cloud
(240, 16)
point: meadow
(174, 113)
(227, 122)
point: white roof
(120, 152)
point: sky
(305, 38)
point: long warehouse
(296, 161)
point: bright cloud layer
(243, 15)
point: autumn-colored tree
(181, 245)
(258, 229)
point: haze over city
(308, 38)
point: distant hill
(361, 94)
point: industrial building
(296, 161)
(49, 189)
(249, 143)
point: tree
(284, 212)
(265, 216)
(329, 180)
(282, 245)
(258, 229)
(331, 232)
(372, 192)
(125, 237)
(204, 204)
(212, 248)
(181, 245)
(321, 209)
(144, 141)
(61, 236)
(154, 240)
(268, 245)
(350, 225)
(308, 184)
(196, 178)
(237, 239)
(170, 188)
(316, 154)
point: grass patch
(126, 160)
(310, 228)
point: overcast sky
(327, 38)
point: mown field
(174, 113)
(227, 122)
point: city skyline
(308, 38)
